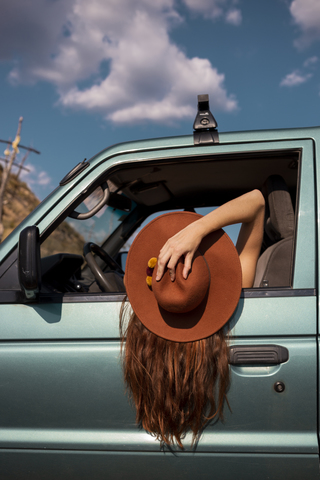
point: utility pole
(9, 159)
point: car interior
(142, 189)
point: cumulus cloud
(306, 14)
(30, 32)
(300, 76)
(310, 62)
(234, 17)
(139, 87)
(215, 9)
(35, 178)
(295, 79)
(114, 57)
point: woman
(176, 357)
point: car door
(64, 410)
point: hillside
(19, 201)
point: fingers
(187, 265)
(183, 244)
(161, 263)
(172, 267)
(167, 259)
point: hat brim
(224, 290)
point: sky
(85, 75)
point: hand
(184, 243)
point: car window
(190, 184)
(231, 230)
(71, 235)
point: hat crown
(183, 295)
(219, 301)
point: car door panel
(55, 377)
(81, 465)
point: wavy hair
(176, 387)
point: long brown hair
(176, 387)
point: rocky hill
(19, 201)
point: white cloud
(208, 8)
(30, 31)
(124, 66)
(140, 88)
(35, 178)
(295, 79)
(310, 62)
(306, 14)
(215, 9)
(43, 179)
(234, 17)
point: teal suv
(64, 412)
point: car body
(64, 411)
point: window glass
(72, 234)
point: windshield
(72, 234)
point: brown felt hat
(187, 309)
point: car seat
(274, 266)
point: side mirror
(29, 266)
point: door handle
(258, 355)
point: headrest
(279, 221)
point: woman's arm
(247, 209)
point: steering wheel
(90, 248)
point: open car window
(197, 184)
(62, 253)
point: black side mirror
(29, 266)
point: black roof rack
(205, 125)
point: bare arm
(247, 209)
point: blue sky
(88, 74)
